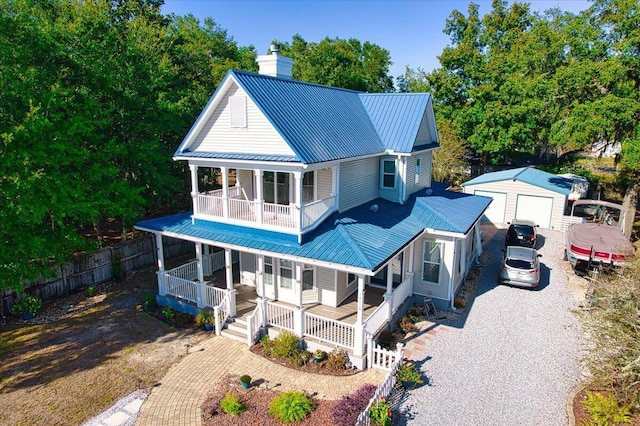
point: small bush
(387, 339)
(380, 413)
(409, 373)
(348, 408)
(337, 360)
(91, 290)
(414, 313)
(605, 410)
(203, 318)
(231, 404)
(27, 304)
(149, 303)
(286, 345)
(267, 345)
(406, 325)
(289, 407)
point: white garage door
(537, 209)
(495, 212)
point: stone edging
(572, 396)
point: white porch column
(335, 171)
(194, 187)
(298, 281)
(225, 191)
(297, 187)
(228, 265)
(199, 297)
(260, 276)
(389, 277)
(360, 316)
(411, 256)
(298, 322)
(259, 194)
(162, 290)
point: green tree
(349, 64)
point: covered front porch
(242, 314)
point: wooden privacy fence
(95, 268)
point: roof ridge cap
(434, 211)
(354, 245)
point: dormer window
(388, 173)
(418, 166)
(238, 111)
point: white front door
(285, 282)
(269, 282)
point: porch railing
(314, 211)
(255, 323)
(181, 288)
(188, 271)
(329, 330)
(241, 210)
(404, 290)
(377, 319)
(278, 215)
(281, 316)
(212, 296)
(221, 312)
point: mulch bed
(310, 367)
(256, 401)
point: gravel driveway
(512, 359)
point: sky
(411, 30)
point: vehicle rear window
(519, 264)
(522, 230)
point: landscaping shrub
(27, 304)
(337, 360)
(286, 345)
(267, 345)
(605, 410)
(349, 407)
(289, 407)
(380, 413)
(231, 404)
(387, 339)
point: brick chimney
(274, 64)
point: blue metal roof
(322, 123)
(530, 175)
(319, 123)
(358, 237)
(396, 116)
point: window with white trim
(418, 165)
(268, 270)
(238, 111)
(388, 173)
(431, 261)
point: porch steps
(236, 330)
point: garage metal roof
(361, 237)
(530, 175)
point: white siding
(359, 182)
(427, 168)
(325, 282)
(425, 133)
(323, 179)
(411, 175)
(248, 267)
(440, 291)
(513, 188)
(259, 137)
(342, 291)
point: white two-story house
(326, 222)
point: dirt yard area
(81, 354)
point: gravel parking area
(512, 358)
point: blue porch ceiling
(359, 237)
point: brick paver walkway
(177, 399)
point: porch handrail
(221, 312)
(254, 323)
(181, 288)
(401, 292)
(377, 319)
(210, 205)
(329, 330)
(241, 209)
(280, 316)
(278, 215)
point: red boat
(599, 238)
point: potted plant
(27, 307)
(318, 355)
(380, 413)
(409, 375)
(205, 319)
(245, 380)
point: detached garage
(524, 193)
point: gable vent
(238, 111)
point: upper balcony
(289, 202)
